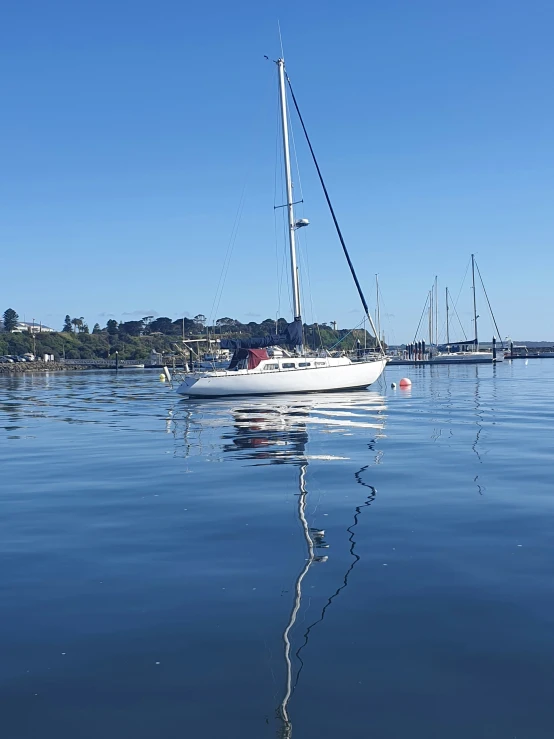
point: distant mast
(430, 319)
(475, 316)
(447, 322)
(378, 309)
(436, 311)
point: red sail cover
(255, 356)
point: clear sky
(132, 133)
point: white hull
(337, 374)
(461, 357)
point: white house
(34, 328)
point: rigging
(335, 221)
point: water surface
(375, 563)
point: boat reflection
(276, 435)
(269, 430)
(276, 431)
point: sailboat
(280, 363)
(466, 351)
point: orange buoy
(405, 382)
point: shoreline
(18, 367)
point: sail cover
(292, 336)
(465, 342)
(254, 357)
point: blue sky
(131, 133)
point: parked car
(6, 360)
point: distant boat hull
(465, 357)
(338, 374)
(208, 365)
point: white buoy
(393, 385)
(162, 378)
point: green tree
(18, 343)
(226, 322)
(112, 327)
(96, 329)
(189, 326)
(76, 322)
(131, 328)
(162, 325)
(10, 319)
(146, 321)
(67, 327)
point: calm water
(373, 564)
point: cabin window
(304, 364)
(321, 364)
(288, 365)
(271, 366)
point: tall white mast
(378, 307)
(288, 178)
(475, 316)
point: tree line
(137, 339)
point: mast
(436, 311)
(474, 301)
(447, 326)
(288, 178)
(378, 311)
(430, 319)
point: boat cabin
(273, 361)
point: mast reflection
(355, 559)
(267, 431)
(286, 729)
(479, 423)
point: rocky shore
(18, 367)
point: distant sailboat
(256, 371)
(468, 350)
